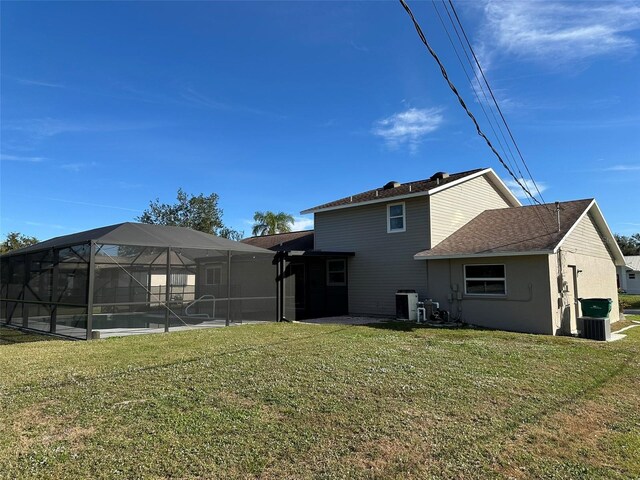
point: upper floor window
(396, 221)
(485, 280)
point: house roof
(417, 188)
(284, 242)
(518, 231)
(141, 234)
(632, 262)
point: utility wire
(462, 103)
(479, 85)
(495, 101)
(475, 91)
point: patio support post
(54, 289)
(279, 260)
(167, 295)
(90, 282)
(228, 320)
(26, 271)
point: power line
(462, 102)
(474, 90)
(494, 100)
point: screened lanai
(135, 278)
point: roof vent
(439, 176)
(391, 184)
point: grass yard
(630, 301)
(322, 401)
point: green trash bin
(595, 307)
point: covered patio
(135, 278)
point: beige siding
(383, 262)
(455, 206)
(525, 308)
(586, 240)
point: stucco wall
(383, 262)
(585, 249)
(525, 308)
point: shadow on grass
(400, 326)
(12, 336)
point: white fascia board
(482, 255)
(494, 178)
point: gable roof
(632, 262)
(415, 189)
(519, 231)
(145, 235)
(284, 242)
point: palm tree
(270, 223)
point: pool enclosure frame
(135, 278)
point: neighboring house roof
(632, 262)
(141, 234)
(397, 191)
(519, 231)
(283, 242)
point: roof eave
(417, 256)
(487, 171)
(618, 259)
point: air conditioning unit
(595, 328)
(407, 305)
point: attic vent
(390, 185)
(439, 176)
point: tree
(629, 245)
(197, 212)
(270, 223)
(16, 240)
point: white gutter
(417, 256)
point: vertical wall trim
(90, 283)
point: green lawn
(322, 401)
(630, 301)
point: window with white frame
(213, 275)
(485, 280)
(336, 272)
(396, 221)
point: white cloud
(408, 127)
(76, 167)
(559, 32)
(302, 223)
(18, 158)
(518, 190)
(622, 168)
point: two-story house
(466, 241)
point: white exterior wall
(525, 308)
(456, 206)
(585, 249)
(629, 285)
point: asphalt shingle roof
(510, 230)
(404, 189)
(284, 242)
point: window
(336, 272)
(485, 280)
(213, 275)
(395, 218)
(632, 276)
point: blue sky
(283, 106)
